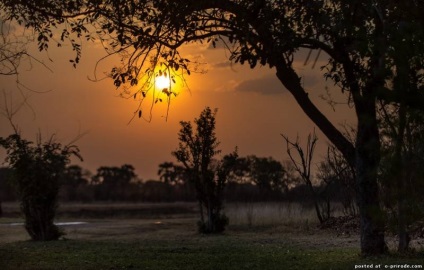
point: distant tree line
(253, 179)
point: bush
(218, 224)
(37, 170)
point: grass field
(262, 236)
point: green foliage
(37, 171)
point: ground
(164, 236)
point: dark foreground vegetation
(221, 252)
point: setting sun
(162, 82)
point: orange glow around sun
(162, 82)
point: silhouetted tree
(363, 42)
(303, 167)
(74, 181)
(268, 173)
(338, 180)
(13, 47)
(265, 172)
(113, 183)
(37, 171)
(401, 170)
(196, 151)
(171, 173)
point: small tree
(338, 178)
(304, 169)
(37, 171)
(196, 151)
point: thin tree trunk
(400, 174)
(317, 209)
(202, 217)
(401, 85)
(210, 223)
(402, 231)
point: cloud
(224, 64)
(268, 85)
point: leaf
(134, 82)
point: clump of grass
(269, 214)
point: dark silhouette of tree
(113, 183)
(338, 179)
(171, 173)
(37, 171)
(363, 41)
(12, 50)
(402, 169)
(303, 165)
(74, 181)
(197, 150)
(265, 172)
(268, 173)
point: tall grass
(269, 214)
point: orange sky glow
(253, 109)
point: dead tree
(303, 164)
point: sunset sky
(253, 109)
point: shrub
(216, 224)
(37, 170)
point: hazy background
(254, 108)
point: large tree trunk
(367, 163)
(365, 157)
